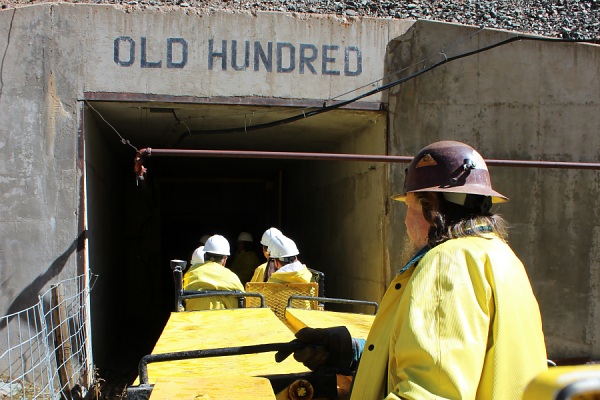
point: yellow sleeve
(442, 329)
(259, 273)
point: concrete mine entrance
(135, 228)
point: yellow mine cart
(230, 353)
(581, 382)
(194, 357)
(233, 376)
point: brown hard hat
(451, 167)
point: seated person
(245, 260)
(288, 269)
(263, 272)
(212, 275)
(197, 256)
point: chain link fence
(45, 350)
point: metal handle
(192, 294)
(220, 352)
(334, 300)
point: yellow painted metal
(358, 324)
(583, 379)
(221, 388)
(211, 329)
(277, 294)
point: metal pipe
(543, 164)
(177, 266)
(350, 157)
(333, 300)
(194, 294)
(225, 351)
(271, 154)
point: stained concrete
(526, 100)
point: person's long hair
(451, 221)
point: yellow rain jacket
(259, 273)
(211, 276)
(261, 270)
(244, 264)
(291, 273)
(461, 324)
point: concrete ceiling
(168, 125)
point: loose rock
(568, 19)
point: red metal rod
(543, 164)
(275, 154)
(350, 157)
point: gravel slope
(569, 19)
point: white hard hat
(282, 246)
(217, 244)
(268, 235)
(198, 256)
(204, 238)
(245, 237)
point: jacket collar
(413, 261)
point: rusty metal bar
(333, 300)
(543, 164)
(220, 352)
(193, 294)
(350, 157)
(284, 155)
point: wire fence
(45, 350)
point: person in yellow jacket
(212, 275)
(263, 272)
(198, 254)
(245, 260)
(460, 320)
(288, 269)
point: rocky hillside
(569, 19)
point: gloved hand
(325, 348)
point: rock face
(568, 19)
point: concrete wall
(40, 169)
(103, 234)
(344, 203)
(525, 101)
(124, 252)
(127, 52)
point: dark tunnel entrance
(136, 227)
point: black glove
(325, 348)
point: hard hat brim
(470, 189)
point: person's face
(416, 224)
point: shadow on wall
(29, 296)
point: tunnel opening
(136, 227)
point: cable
(413, 65)
(123, 140)
(390, 85)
